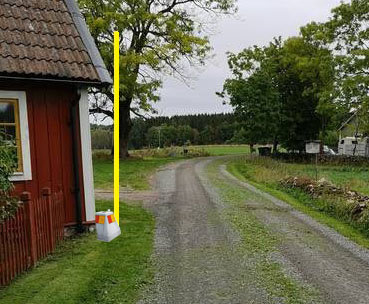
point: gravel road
(198, 252)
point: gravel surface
(336, 266)
(197, 252)
(196, 256)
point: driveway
(206, 223)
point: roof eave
(89, 42)
(79, 82)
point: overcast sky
(257, 22)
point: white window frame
(24, 134)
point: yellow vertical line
(116, 126)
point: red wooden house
(48, 60)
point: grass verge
(258, 243)
(84, 270)
(299, 200)
(134, 173)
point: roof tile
(38, 38)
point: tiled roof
(40, 39)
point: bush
(8, 165)
(323, 159)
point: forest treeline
(200, 129)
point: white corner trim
(24, 133)
(88, 179)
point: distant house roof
(48, 39)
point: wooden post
(46, 193)
(316, 167)
(30, 224)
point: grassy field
(84, 270)
(135, 172)
(271, 171)
(220, 150)
(266, 174)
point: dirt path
(200, 257)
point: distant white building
(354, 146)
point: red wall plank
(49, 118)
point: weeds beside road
(266, 174)
(269, 171)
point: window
(14, 128)
(10, 127)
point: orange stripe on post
(99, 219)
(111, 218)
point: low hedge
(322, 159)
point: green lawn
(84, 270)
(265, 170)
(134, 173)
(265, 174)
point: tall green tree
(253, 91)
(305, 74)
(158, 37)
(346, 34)
(278, 90)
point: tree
(156, 37)
(138, 133)
(257, 103)
(346, 34)
(305, 74)
(102, 139)
(240, 137)
(162, 136)
(277, 91)
(253, 91)
(185, 134)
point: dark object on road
(265, 151)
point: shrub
(323, 159)
(8, 165)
